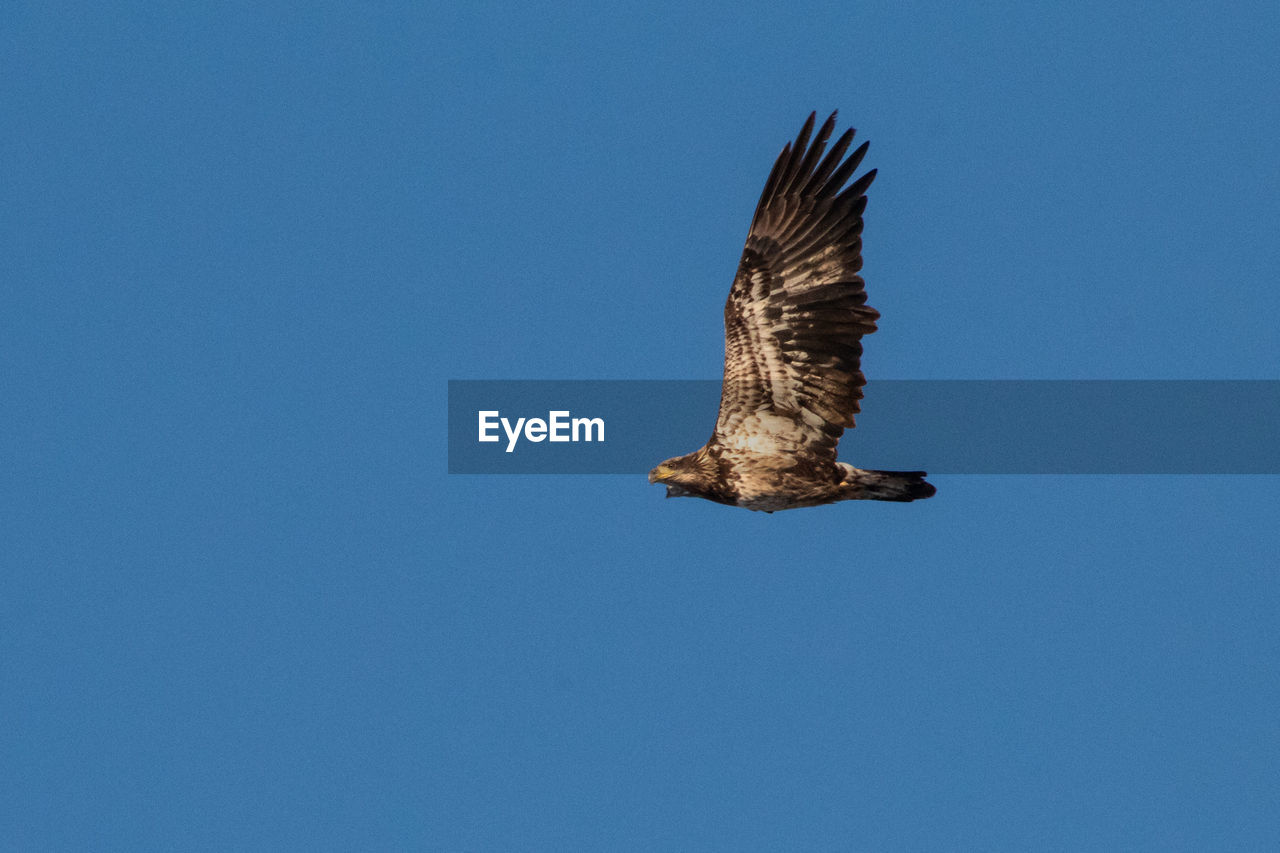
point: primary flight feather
(793, 327)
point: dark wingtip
(802, 140)
(828, 126)
(921, 489)
(860, 186)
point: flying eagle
(793, 327)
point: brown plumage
(794, 323)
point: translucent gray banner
(941, 426)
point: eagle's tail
(885, 485)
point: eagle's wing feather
(797, 310)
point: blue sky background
(243, 247)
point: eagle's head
(685, 476)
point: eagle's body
(794, 323)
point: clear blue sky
(243, 606)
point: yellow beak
(659, 474)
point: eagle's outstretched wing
(797, 310)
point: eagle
(793, 327)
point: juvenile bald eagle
(793, 326)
